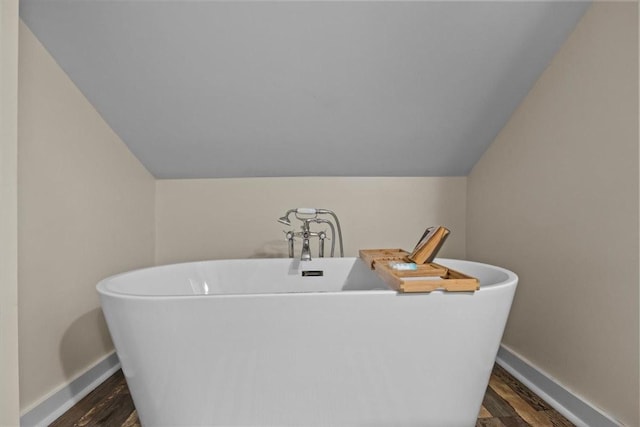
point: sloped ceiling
(206, 89)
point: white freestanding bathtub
(253, 342)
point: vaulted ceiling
(206, 89)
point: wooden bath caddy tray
(428, 277)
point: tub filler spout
(305, 255)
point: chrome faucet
(307, 216)
(305, 255)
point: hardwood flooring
(507, 403)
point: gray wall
(9, 405)
(236, 218)
(555, 199)
(85, 211)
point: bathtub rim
(103, 290)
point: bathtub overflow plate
(314, 273)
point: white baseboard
(574, 408)
(60, 401)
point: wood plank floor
(507, 403)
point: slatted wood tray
(428, 277)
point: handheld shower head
(306, 211)
(284, 220)
(303, 211)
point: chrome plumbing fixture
(308, 216)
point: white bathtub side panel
(355, 358)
